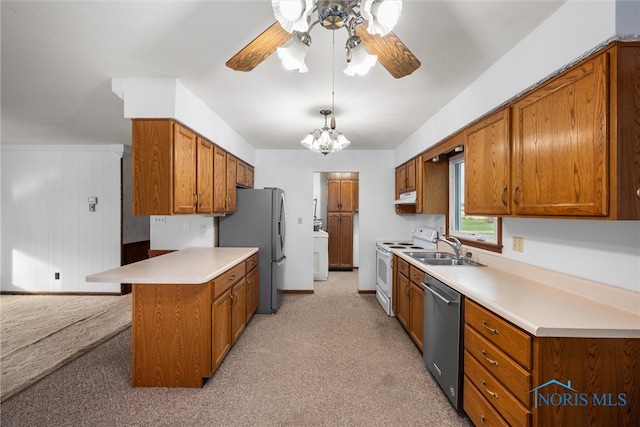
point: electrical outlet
(56, 276)
(299, 220)
(518, 244)
(159, 220)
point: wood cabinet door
(411, 175)
(253, 293)
(250, 176)
(561, 162)
(416, 313)
(184, 170)
(487, 160)
(435, 198)
(346, 195)
(333, 195)
(238, 314)
(205, 176)
(151, 154)
(232, 164)
(403, 300)
(401, 180)
(333, 229)
(219, 180)
(221, 327)
(346, 241)
(241, 174)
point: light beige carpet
(40, 333)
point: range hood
(408, 198)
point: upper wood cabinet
(232, 165)
(176, 171)
(340, 195)
(224, 192)
(406, 177)
(244, 175)
(204, 181)
(409, 177)
(561, 164)
(166, 176)
(573, 150)
(487, 162)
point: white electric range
(423, 238)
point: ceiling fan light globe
(293, 53)
(383, 15)
(361, 61)
(293, 15)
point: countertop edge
(128, 274)
(534, 328)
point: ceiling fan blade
(392, 53)
(259, 48)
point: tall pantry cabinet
(342, 194)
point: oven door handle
(449, 303)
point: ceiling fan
(368, 22)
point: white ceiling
(58, 58)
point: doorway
(336, 212)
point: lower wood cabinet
(340, 229)
(513, 378)
(182, 332)
(408, 299)
(253, 287)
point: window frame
(466, 238)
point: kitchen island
(188, 309)
(542, 348)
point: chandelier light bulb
(293, 14)
(383, 15)
(361, 60)
(294, 52)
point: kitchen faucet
(453, 242)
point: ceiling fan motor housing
(332, 14)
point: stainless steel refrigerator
(259, 221)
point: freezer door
(280, 216)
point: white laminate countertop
(191, 266)
(542, 309)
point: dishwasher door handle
(449, 303)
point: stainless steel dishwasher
(442, 352)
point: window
(480, 231)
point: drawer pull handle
(484, 423)
(493, 362)
(233, 276)
(492, 393)
(495, 331)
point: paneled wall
(47, 227)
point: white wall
(603, 251)
(292, 170)
(46, 223)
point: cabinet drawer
(499, 332)
(509, 373)
(416, 275)
(228, 279)
(494, 392)
(403, 266)
(478, 409)
(252, 262)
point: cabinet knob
(638, 193)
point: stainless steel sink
(442, 258)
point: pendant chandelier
(327, 140)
